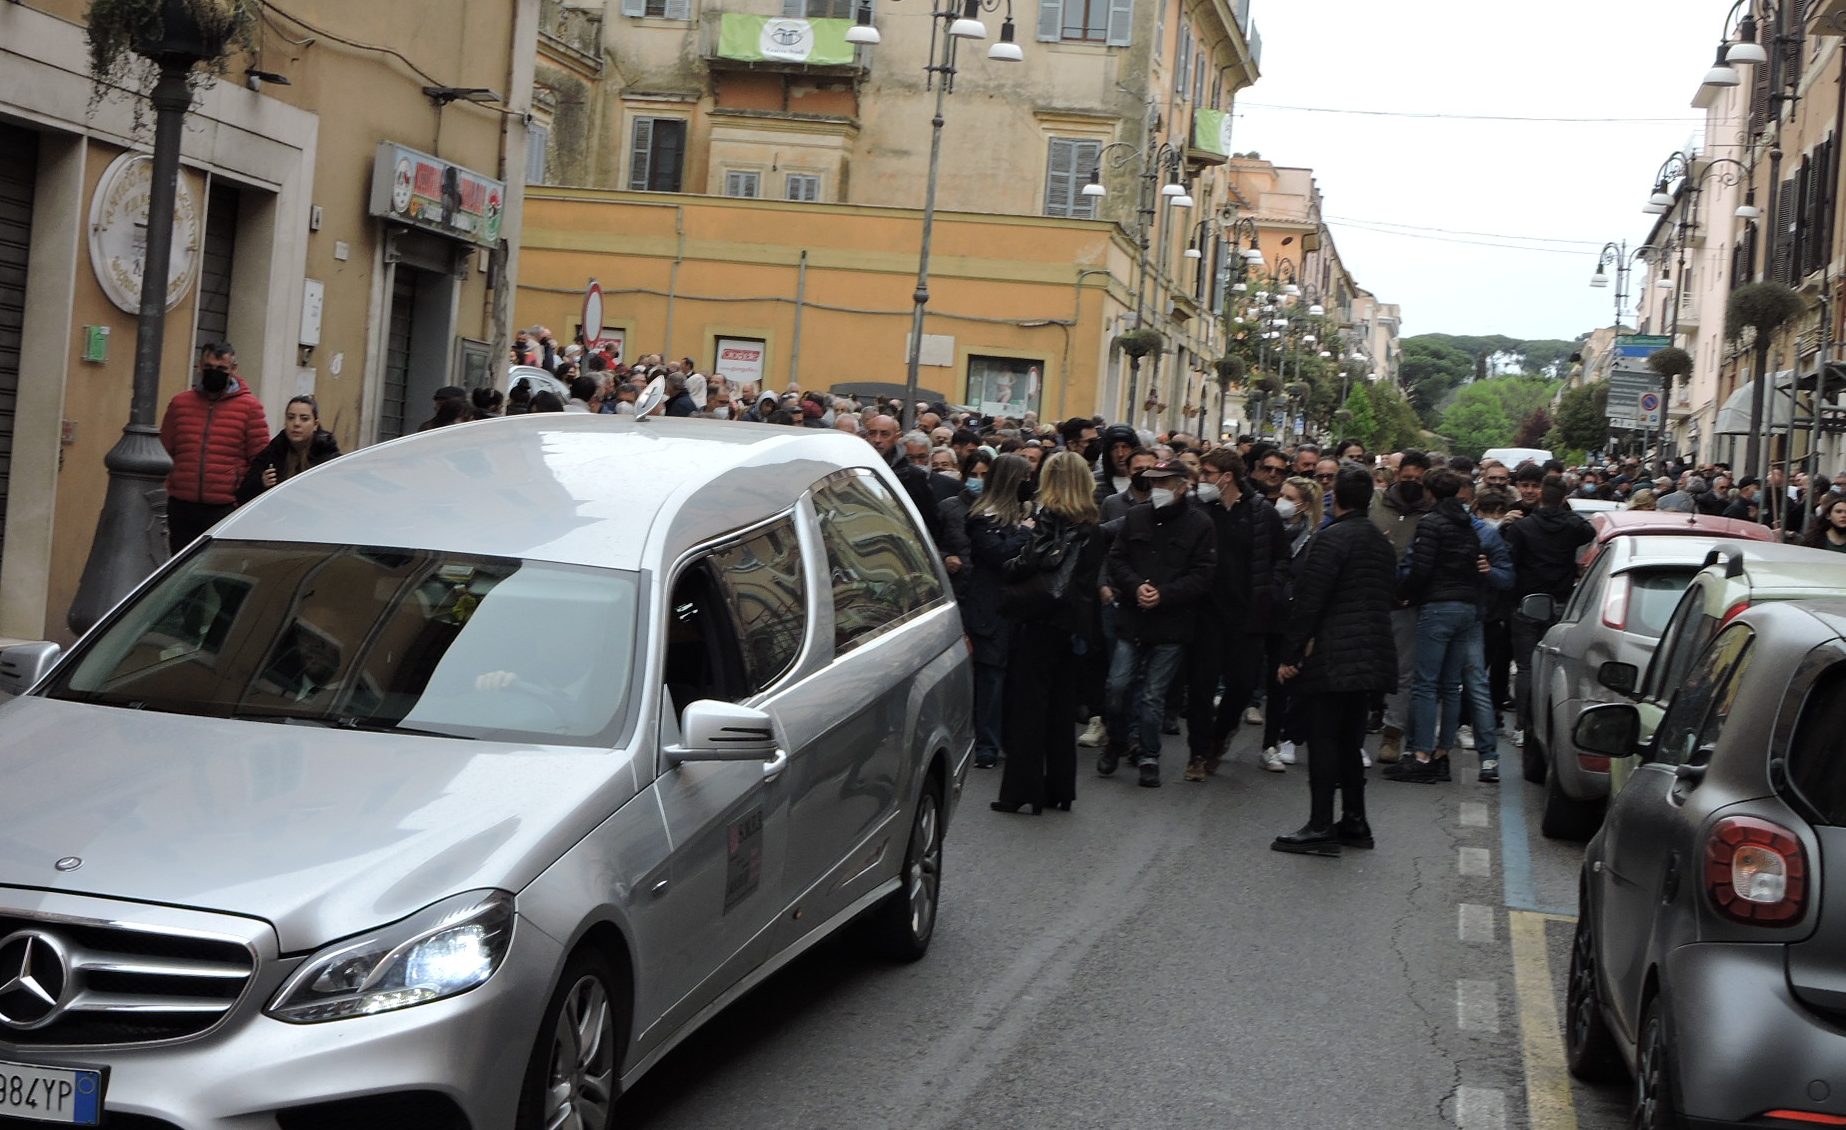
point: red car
(1666, 523)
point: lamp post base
(131, 536)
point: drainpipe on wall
(520, 72)
(679, 256)
(1076, 318)
(801, 297)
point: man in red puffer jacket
(212, 431)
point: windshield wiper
(386, 726)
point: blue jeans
(989, 690)
(1139, 676)
(1450, 654)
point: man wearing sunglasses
(212, 431)
(1270, 473)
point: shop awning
(1734, 416)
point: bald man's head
(882, 432)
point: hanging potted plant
(1139, 343)
(127, 35)
(1230, 370)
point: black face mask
(1139, 482)
(214, 381)
(1411, 490)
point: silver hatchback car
(453, 782)
(1615, 614)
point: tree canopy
(1491, 413)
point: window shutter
(1198, 74)
(669, 154)
(679, 9)
(634, 7)
(538, 140)
(1759, 98)
(1121, 22)
(1782, 240)
(1829, 198)
(1050, 20)
(1059, 168)
(1182, 70)
(638, 158)
(1088, 157)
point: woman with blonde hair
(1642, 499)
(1050, 601)
(1301, 517)
(998, 525)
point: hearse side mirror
(1539, 606)
(1622, 678)
(1610, 728)
(23, 665)
(723, 731)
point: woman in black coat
(996, 534)
(301, 444)
(1042, 662)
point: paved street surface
(1147, 961)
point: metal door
(17, 175)
(392, 406)
(215, 262)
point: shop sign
(740, 361)
(427, 192)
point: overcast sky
(1580, 182)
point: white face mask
(1208, 492)
(1162, 498)
(1286, 509)
(721, 413)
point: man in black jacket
(1339, 645)
(1443, 583)
(1119, 442)
(1161, 566)
(882, 432)
(1232, 642)
(1544, 547)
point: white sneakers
(1253, 716)
(1095, 734)
(1287, 752)
(1272, 760)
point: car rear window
(1816, 758)
(1653, 596)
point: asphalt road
(1147, 961)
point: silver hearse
(453, 782)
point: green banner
(772, 39)
(1211, 131)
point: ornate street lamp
(962, 21)
(124, 550)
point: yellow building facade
(288, 242)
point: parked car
(454, 782)
(1610, 525)
(1615, 614)
(1735, 576)
(1710, 950)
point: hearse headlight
(441, 951)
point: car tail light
(1615, 604)
(1811, 1117)
(1593, 762)
(1755, 871)
(1729, 615)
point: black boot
(1354, 832)
(1308, 840)
(1108, 760)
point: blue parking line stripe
(1516, 850)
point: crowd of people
(1114, 581)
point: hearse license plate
(71, 1097)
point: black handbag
(1038, 581)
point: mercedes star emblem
(33, 976)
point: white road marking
(1473, 814)
(1480, 1108)
(1476, 863)
(1477, 1006)
(1476, 923)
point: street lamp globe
(1722, 73)
(1317, 310)
(1183, 200)
(1599, 279)
(1745, 49)
(1006, 51)
(1172, 189)
(862, 33)
(1292, 290)
(1325, 353)
(969, 26)
(1193, 253)
(1239, 288)
(1748, 212)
